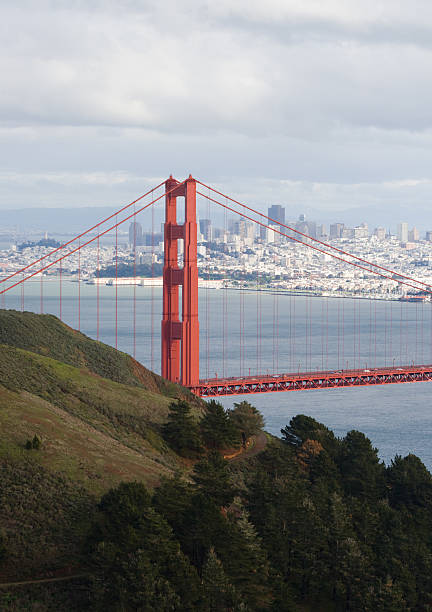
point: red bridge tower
(180, 339)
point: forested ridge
(311, 522)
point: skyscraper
(336, 230)
(413, 235)
(276, 213)
(206, 229)
(135, 233)
(402, 231)
(380, 233)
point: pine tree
(410, 483)
(217, 429)
(131, 548)
(36, 442)
(3, 549)
(246, 418)
(219, 594)
(181, 431)
(363, 474)
(245, 559)
(212, 478)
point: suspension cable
(329, 246)
(46, 267)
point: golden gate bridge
(180, 332)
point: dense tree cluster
(311, 523)
(341, 527)
(190, 547)
(218, 428)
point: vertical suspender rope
(242, 311)
(60, 302)
(240, 322)
(309, 340)
(152, 289)
(375, 332)
(400, 335)
(257, 320)
(406, 330)
(41, 292)
(322, 333)
(359, 334)
(343, 333)
(277, 328)
(116, 284)
(306, 332)
(327, 325)
(260, 321)
(79, 284)
(385, 333)
(338, 333)
(430, 331)
(134, 284)
(290, 333)
(97, 290)
(294, 331)
(207, 299)
(391, 331)
(370, 332)
(224, 307)
(274, 370)
(355, 332)
(421, 331)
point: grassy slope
(48, 336)
(93, 429)
(98, 414)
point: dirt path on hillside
(254, 445)
(4, 585)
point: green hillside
(114, 497)
(48, 336)
(98, 414)
(97, 410)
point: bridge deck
(299, 381)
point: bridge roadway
(300, 381)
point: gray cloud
(278, 94)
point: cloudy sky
(319, 103)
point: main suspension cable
(325, 244)
(91, 240)
(87, 231)
(315, 248)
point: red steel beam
(302, 381)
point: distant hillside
(54, 220)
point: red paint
(312, 380)
(180, 339)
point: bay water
(244, 333)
